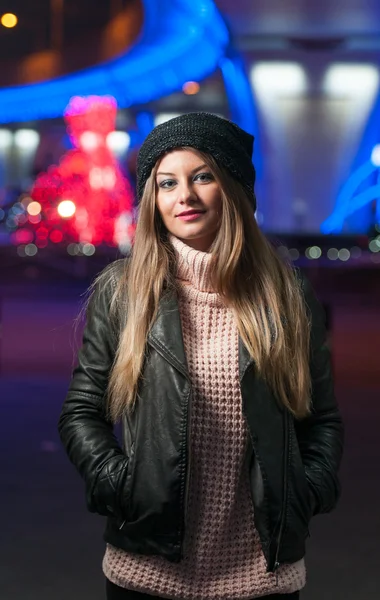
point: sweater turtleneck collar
(193, 266)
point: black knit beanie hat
(230, 145)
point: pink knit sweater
(223, 555)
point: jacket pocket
(123, 491)
(103, 497)
(301, 501)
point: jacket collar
(166, 337)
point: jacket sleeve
(85, 432)
(321, 434)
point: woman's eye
(204, 177)
(167, 183)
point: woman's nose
(185, 193)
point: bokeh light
(191, 88)
(294, 253)
(66, 208)
(118, 141)
(332, 254)
(35, 219)
(56, 236)
(22, 236)
(31, 250)
(89, 141)
(313, 252)
(88, 249)
(42, 232)
(73, 249)
(34, 208)
(9, 20)
(109, 178)
(344, 254)
(95, 177)
(374, 245)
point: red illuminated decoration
(85, 198)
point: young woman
(211, 351)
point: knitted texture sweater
(223, 555)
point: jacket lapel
(166, 333)
(166, 337)
(245, 359)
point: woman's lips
(191, 216)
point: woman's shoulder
(299, 275)
(313, 304)
(113, 272)
(105, 284)
(303, 283)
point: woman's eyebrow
(193, 171)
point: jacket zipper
(188, 458)
(158, 349)
(124, 448)
(285, 493)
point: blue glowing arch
(181, 40)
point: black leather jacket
(142, 487)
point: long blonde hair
(247, 272)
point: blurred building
(304, 79)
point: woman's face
(188, 198)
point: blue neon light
(181, 40)
(358, 202)
(353, 183)
(347, 203)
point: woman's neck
(193, 266)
